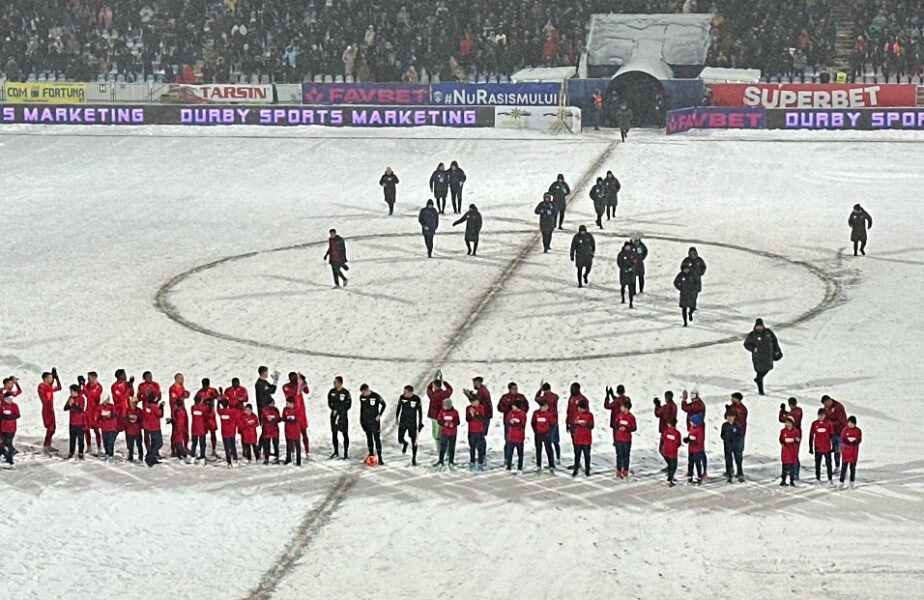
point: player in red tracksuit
(670, 444)
(248, 427)
(851, 437)
(9, 414)
(544, 423)
(507, 401)
(290, 418)
(694, 406)
(484, 396)
(819, 443)
(122, 390)
(107, 417)
(178, 394)
(515, 420)
(131, 424)
(789, 450)
(146, 389)
(623, 426)
(76, 407)
(474, 416)
(574, 399)
(582, 427)
(199, 425)
(269, 421)
(46, 393)
(665, 412)
(229, 418)
(545, 392)
(209, 396)
(836, 413)
(696, 448)
(614, 400)
(92, 390)
(152, 411)
(296, 388)
(449, 421)
(795, 412)
(437, 391)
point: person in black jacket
(611, 187)
(263, 389)
(583, 248)
(336, 255)
(598, 195)
(624, 118)
(456, 181)
(371, 409)
(695, 263)
(627, 263)
(733, 444)
(388, 182)
(641, 253)
(859, 222)
(688, 283)
(560, 191)
(429, 221)
(439, 185)
(764, 349)
(472, 220)
(409, 418)
(339, 402)
(547, 211)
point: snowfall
(200, 251)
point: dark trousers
(671, 467)
(546, 240)
(448, 447)
(610, 210)
(250, 451)
(109, 440)
(836, 449)
(697, 461)
(622, 292)
(579, 451)
(509, 448)
(641, 283)
(334, 430)
(293, 447)
(733, 460)
(134, 441)
(179, 450)
(441, 202)
(826, 456)
(230, 445)
(554, 437)
(76, 441)
(6, 447)
(335, 268)
(476, 447)
(623, 450)
(853, 471)
(789, 469)
(687, 314)
(266, 443)
(456, 196)
(623, 133)
(583, 272)
(472, 246)
(198, 440)
(373, 438)
(599, 220)
(561, 216)
(544, 441)
(859, 245)
(759, 380)
(390, 201)
(156, 443)
(428, 242)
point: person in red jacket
(820, 444)
(582, 428)
(146, 388)
(122, 389)
(615, 400)
(46, 393)
(107, 416)
(475, 417)
(507, 401)
(209, 396)
(131, 424)
(484, 395)
(836, 413)
(789, 451)
(741, 414)
(229, 418)
(179, 421)
(515, 423)
(92, 390)
(665, 412)
(696, 448)
(199, 425)
(544, 422)
(437, 391)
(296, 388)
(794, 412)
(449, 423)
(551, 398)
(623, 426)
(9, 414)
(248, 426)
(290, 418)
(574, 400)
(670, 444)
(269, 421)
(851, 437)
(236, 395)
(76, 407)
(694, 406)
(152, 413)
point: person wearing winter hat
(583, 248)
(696, 450)
(765, 350)
(859, 221)
(429, 221)
(560, 191)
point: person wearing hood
(456, 181)
(627, 262)
(472, 220)
(859, 222)
(429, 221)
(611, 187)
(694, 262)
(641, 253)
(689, 285)
(761, 342)
(439, 185)
(582, 254)
(560, 192)
(547, 211)
(388, 181)
(598, 195)
(624, 118)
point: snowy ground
(105, 231)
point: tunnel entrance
(642, 93)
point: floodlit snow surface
(200, 250)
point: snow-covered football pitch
(201, 251)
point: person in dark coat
(764, 349)
(611, 187)
(583, 248)
(624, 120)
(694, 262)
(456, 181)
(388, 181)
(641, 253)
(598, 195)
(439, 185)
(547, 211)
(429, 221)
(337, 257)
(472, 220)
(859, 222)
(689, 285)
(627, 263)
(560, 192)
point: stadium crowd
(889, 40)
(220, 41)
